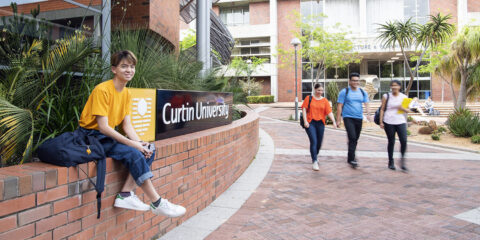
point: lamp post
(249, 65)
(295, 42)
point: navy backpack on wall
(73, 148)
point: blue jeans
(131, 158)
(315, 135)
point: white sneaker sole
(122, 205)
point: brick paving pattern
(372, 202)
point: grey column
(106, 30)
(203, 33)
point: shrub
(409, 133)
(410, 119)
(476, 139)
(463, 123)
(442, 129)
(436, 137)
(260, 99)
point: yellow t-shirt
(105, 100)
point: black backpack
(73, 148)
(376, 117)
(301, 112)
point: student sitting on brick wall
(108, 106)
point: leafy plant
(410, 119)
(409, 132)
(436, 137)
(442, 129)
(332, 94)
(463, 123)
(476, 139)
(260, 99)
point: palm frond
(16, 125)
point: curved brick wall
(42, 201)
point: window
(232, 16)
(310, 10)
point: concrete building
(260, 26)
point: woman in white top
(394, 122)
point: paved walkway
(438, 199)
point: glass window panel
(353, 67)
(398, 69)
(238, 16)
(373, 68)
(331, 73)
(385, 69)
(424, 85)
(246, 16)
(342, 72)
(421, 95)
(245, 51)
(306, 73)
(341, 84)
(254, 50)
(306, 87)
(384, 86)
(245, 42)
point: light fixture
(295, 42)
(395, 58)
(399, 54)
(390, 61)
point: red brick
(50, 223)
(150, 233)
(51, 178)
(82, 211)
(89, 196)
(103, 227)
(158, 163)
(24, 232)
(62, 175)
(8, 223)
(73, 174)
(67, 230)
(17, 204)
(144, 227)
(92, 220)
(1, 189)
(45, 236)
(127, 236)
(134, 222)
(66, 204)
(113, 233)
(114, 177)
(83, 235)
(125, 217)
(52, 194)
(34, 214)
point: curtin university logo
(182, 112)
(159, 114)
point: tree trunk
(462, 94)
(410, 83)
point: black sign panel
(182, 112)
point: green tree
(465, 54)
(325, 48)
(245, 68)
(405, 34)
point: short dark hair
(396, 82)
(353, 74)
(317, 85)
(124, 54)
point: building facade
(261, 26)
(160, 16)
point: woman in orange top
(315, 121)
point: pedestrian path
(437, 199)
(210, 218)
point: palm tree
(24, 87)
(466, 57)
(405, 34)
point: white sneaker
(315, 166)
(131, 202)
(168, 209)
